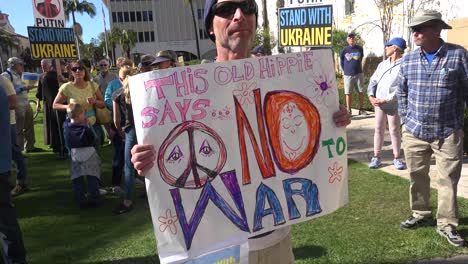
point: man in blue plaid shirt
(433, 84)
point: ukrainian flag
(29, 78)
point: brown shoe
(19, 189)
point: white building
(7, 52)
(162, 25)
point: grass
(366, 230)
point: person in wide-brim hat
(426, 16)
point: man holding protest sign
(231, 25)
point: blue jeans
(79, 189)
(11, 238)
(129, 171)
(18, 158)
(117, 160)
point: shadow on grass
(309, 251)
(138, 260)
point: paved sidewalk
(361, 148)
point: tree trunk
(266, 28)
(195, 28)
(76, 36)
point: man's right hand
(143, 157)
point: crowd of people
(423, 90)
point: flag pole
(106, 50)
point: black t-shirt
(126, 112)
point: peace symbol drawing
(191, 155)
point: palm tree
(127, 41)
(125, 38)
(190, 2)
(72, 6)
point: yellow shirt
(78, 96)
(9, 90)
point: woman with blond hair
(125, 69)
(84, 92)
(125, 126)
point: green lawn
(364, 231)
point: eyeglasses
(79, 68)
(103, 65)
(227, 9)
(421, 28)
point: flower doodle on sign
(221, 114)
(168, 221)
(335, 173)
(323, 89)
(245, 93)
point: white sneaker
(102, 191)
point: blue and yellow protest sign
(52, 43)
(305, 26)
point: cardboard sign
(243, 148)
(305, 26)
(48, 13)
(52, 43)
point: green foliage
(264, 37)
(355, 102)
(339, 40)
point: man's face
(104, 66)
(18, 68)
(425, 33)
(45, 66)
(234, 32)
(351, 41)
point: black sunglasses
(74, 69)
(421, 28)
(103, 65)
(227, 9)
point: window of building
(132, 16)
(150, 15)
(138, 16)
(349, 7)
(119, 17)
(152, 36)
(202, 34)
(145, 15)
(126, 17)
(141, 37)
(147, 36)
(114, 17)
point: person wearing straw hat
(431, 92)
(164, 59)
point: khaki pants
(448, 154)
(280, 253)
(25, 135)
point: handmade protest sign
(305, 26)
(243, 148)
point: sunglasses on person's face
(227, 9)
(75, 69)
(421, 28)
(103, 65)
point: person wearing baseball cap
(146, 62)
(381, 92)
(232, 24)
(431, 101)
(351, 63)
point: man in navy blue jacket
(351, 63)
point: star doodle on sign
(335, 173)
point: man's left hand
(342, 118)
